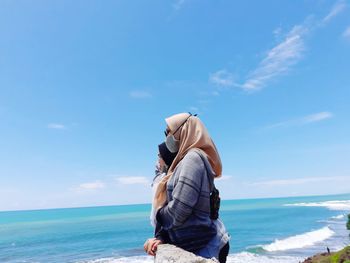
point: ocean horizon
(148, 203)
(279, 229)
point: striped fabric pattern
(186, 216)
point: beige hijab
(192, 134)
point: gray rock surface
(171, 254)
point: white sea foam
(134, 259)
(300, 241)
(245, 257)
(338, 217)
(341, 205)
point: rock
(171, 254)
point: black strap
(214, 192)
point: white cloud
(132, 180)
(279, 59)
(92, 185)
(89, 187)
(138, 94)
(224, 178)
(277, 32)
(177, 5)
(317, 117)
(346, 33)
(320, 116)
(57, 126)
(9, 190)
(298, 181)
(222, 78)
(336, 9)
(193, 109)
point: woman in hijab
(182, 198)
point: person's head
(173, 130)
(185, 131)
(165, 156)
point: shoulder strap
(214, 193)
(210, 181)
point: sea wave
(300, 241)
(341, 205)
(134, 259)
(338, 219)
(248, 257)
(338, 216)
(245, 257)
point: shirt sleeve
(161, 234)
(185, 193)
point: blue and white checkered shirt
(186, 216)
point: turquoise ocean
(262, 230)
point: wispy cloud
(9, 190)
(222, 78)
(317, 117)
(279, 59)
(177, 5)
(320, 116)
(225, 178)
(89, 187)
(58, 126)
(336, 9)
(346, 33)
(132, 180)
(139, 94)
(193, 109)
(298, 181)
(277, 33)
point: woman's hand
(151, 245)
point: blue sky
(85, 87)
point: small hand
(151, 246)
(148, 244)
(154, 247)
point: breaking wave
(300, 241)
(341, 205)
(245, 257)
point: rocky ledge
(170, 254)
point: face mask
(170, 141)
(172, 144)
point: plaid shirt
(185, 219)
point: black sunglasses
(166, 132)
